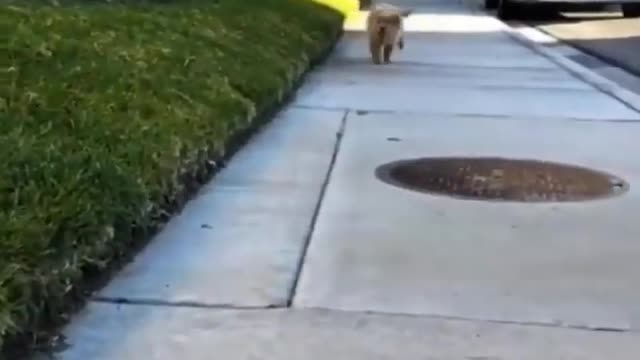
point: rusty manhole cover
(501, 179)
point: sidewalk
(297, 251)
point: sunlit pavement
(298, 251)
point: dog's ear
(406, 12)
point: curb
(604, 85)
(602, 58)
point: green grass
(106, 108)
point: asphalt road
(605, 35)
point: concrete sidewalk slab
(160, 333)
(421, 98)
(447, 49)
(238, 243)
(349, 73)
(380, 248)
(503, 95)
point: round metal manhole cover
(501, 179)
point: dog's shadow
(365, 61)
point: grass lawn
(107, 109)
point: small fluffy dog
(385, 29)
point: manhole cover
(501, 179)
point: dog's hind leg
(388, 49)
(374, 48)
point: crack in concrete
(544, 324)
(183, 304)
(316, 212)
(361, 112)
(356, 62)
(287, 306)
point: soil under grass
(111, 113)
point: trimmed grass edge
(47, 338)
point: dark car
(512, 9)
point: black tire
(544, 11)
(507, 10)
(631, 10)
(491, 4)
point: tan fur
(385, 29)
